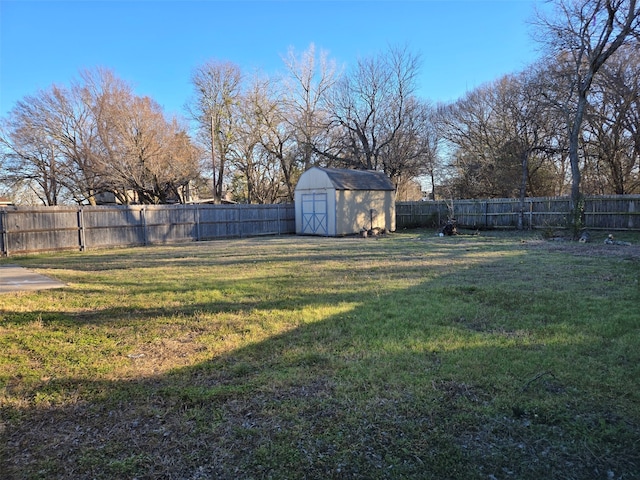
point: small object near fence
(585, 237)
(610, 240)
(450, 228)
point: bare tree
(217, 87)
(29, 154)
(478, 160)
(140, 151)
(526, 127)
(413, 152)
(612, 120)
(58, 117)
(95, 137)
(246, 151)
(586, 33)
(368, 108)
(311, 78)
(502, 137)
(181, 162)
(283, 155)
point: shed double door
(314, 214)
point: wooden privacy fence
(615, 212)
(38, 229)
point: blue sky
(155, 44)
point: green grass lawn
(490, 356)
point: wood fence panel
(260, 220)
(548, 212)
(39, 229)
(286, 218)
(464, 214)
(113, 226)
(249, 221)
(420, 214)
(499, 214)
(615, 212)
(218, 222)
(33, 230)
(170, 223)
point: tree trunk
(523, 187)
(576, 220)
(212, 133)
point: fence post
(196, 217)
(5, 236)
(278, 215)
(143, 219)
(486, 214)
(81, 237)
(530, 213)
(632, 210)
(412, 215)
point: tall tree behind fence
(615, 212)
(38, 229)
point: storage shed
(334, 202)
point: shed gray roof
(345, 179)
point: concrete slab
(18, 279)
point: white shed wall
(355, 210)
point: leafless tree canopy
(96, 137)
(567, 124)
(583, 35)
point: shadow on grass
(441, 379)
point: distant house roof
(344, 179)
(5, 201)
